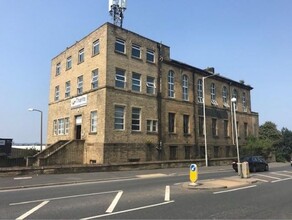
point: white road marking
(154, 175)
(237, 189)
(271, 177)
(167, 194)
(32, 210)
(275, 181)
(266, 181)
(114, 202)
(63, 197)
(23, 178)
(128, 210)
(286, 171)
(281, 174)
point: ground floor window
(187, 152)
(172, 152)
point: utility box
(245, 170)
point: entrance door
(78, 123)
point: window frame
(80, 85)
(200, 90)
(150, 86)
(185, 87)
(57, 93)
(150, 56)
(58, 69)
(120, 46)
(94, 79)
(170, 83)
(136, 119)
(136, 51)
(119, 117)
(95, 47)
(152, 126)
(69, 63)
(171, 122)
(120, 78)
(93, 121)
(186, 124)
(67, 89)
(136, 82)
(81, 56)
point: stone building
(116, 96)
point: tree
(284, 146)
(269, 131)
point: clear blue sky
(248, 40)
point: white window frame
(67, 123)
(136, 82)
(185, 87)
(67, 89)
(55, 127)
(136, 119)
(57, 93)
(81, 56)
(119, 117)
(69, 63)
(58, 69)
(93, 121)
(170, 80)
(120, 78)
(61, 126)
(136, 49)
(80, 85)
(95, 48)
(94, 79)
(120, 43)
(150, 56)
(244, 102)
(152, 126)
(150, 85)
(225, 97)
(200, 90)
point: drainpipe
(159, 100)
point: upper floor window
(81, 56)
(58, 69)
(94, 79)
(214, 127)
(200, 90)
(225, 96)
(66, 125)
(136, 119)
(57, 93)
(79, 85)
(55, 127)
(136, 82)
(150, 85)
(67, 89)
(136, 51)
(213, 94)
(120, 78)
(171, 122)
(171, 84)
(185, 87)
(150, 56)
(186, 124)
(119, 117)
(93, 121)
(120, 46)
(69, 63)
(152, 125)
(244, 102)
(61, 127)
(95, 48)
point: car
(255, 163)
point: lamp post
(233, 101)
(204, 115)
(41, 131)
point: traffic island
(213, 184)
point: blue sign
(193, 167)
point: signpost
(193, 173)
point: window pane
(120, 78)
(150, 86)
(95, 47)
(120, 46)
(136, 51)
(119, 117)
(150, 56)
(94, 80)
(136, 82)
(136, 119)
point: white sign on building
(79, 101)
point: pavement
(36, 180)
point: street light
(41, 131)
(233, 100)
(204, 115)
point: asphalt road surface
(156, 194)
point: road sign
(193, 173)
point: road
(156, 194)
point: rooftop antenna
(116, 10)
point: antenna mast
(116, 10)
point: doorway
(78, 126)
